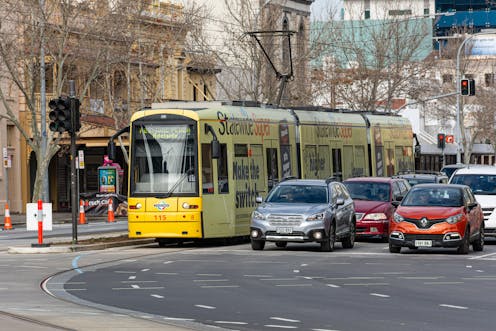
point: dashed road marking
(481, 256)
(157, 296)
(135, 286)
(333, 285)
(380, 295)
(178, 319)
(292, 285)
(213, 275)
(144, 270)
(366, 284)
(285, 319)
(281, 326)
(218, 286)
(206, 307)
(452, 306)
(231, 322)
(442, 283)
(210, 280)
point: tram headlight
(256, 215)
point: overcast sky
(322, 7)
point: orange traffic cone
(82, 215)
(7, 225)
(110, 217)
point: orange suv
(437, 215)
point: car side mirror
(258, 199)
(395, 203)
(472, 205)
(398, 198)
(339, 201)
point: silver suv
(305, 210)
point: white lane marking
(366, 284)
(168, 262)
(32, 266)
(279, 279)
(469, 266)
(285, 319)
(166, 273)
(309, 278)
(303, 265)
(296, 271)
(230, 322)
(481, 256)
(177, 319)
(452, 306)
(204, 306)
(293, 285)
(209, 275)
(432, 277)
(333, 285)
(353, 278)
(210, 280)
(138, 281)
(218, 286)
(129, 260)
(280, 326)
(135, 286)
(380, 295)
(138, 288)
(257, 275)
(481, 278)
(157, 296)
(479, 270)
(143, 270)
(442, 283)
(132, 277)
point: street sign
(81, 159)
(450, 139)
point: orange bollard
(82, 215)
(110, 217)
(8, 222)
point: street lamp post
(458, 131)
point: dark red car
(373, 197)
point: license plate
(423, 243)
(284, 230)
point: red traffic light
(441, 139)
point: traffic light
(441, 138)
(64, 115)
(467, 86)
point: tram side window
(223, 177)
(207, 176)
(272, 167)
(337, 164)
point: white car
(482, 180)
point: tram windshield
(164, 160)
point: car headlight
(398, 218)
(256, 215)
(454, 219)
(375, 217)
(316, 217)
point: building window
(426, 11)
(489, 79)
(367, 14)
(447, 78)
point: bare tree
(368, 63)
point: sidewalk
(57, 218)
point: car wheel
(282, 244)
(464, 247)
(257, 245)
(478, 244)
(394, 249)
(349, 241)
(328, 244)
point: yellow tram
(195, 168)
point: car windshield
(480, 184)
(415, 181)
(369, 191)
(298, 194)
(440, 197)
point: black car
(419, 177)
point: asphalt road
(233, 287)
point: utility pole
(44, 184)
(73, 132)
